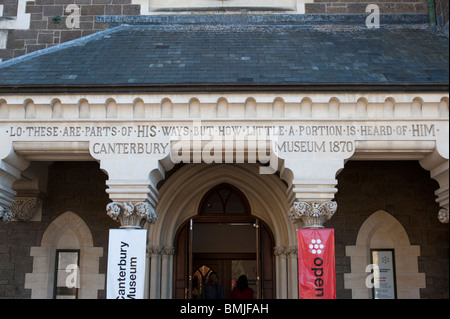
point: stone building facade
(80, 188)
(221, 133)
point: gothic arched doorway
(224, 238)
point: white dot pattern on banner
(316, 246)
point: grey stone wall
(404, 190)
(78, 187)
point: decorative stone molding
(278, 251)
(312, 215)
(285, 251)
(155, 250)
(443, 216)
(5, 215)
(132, 215)
(24, 209)
(291, 251)
(168, 250)
(205, 106)
(160, 250)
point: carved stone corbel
(24, 209)
(312, 214)
(132, 215)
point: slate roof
(238, 55)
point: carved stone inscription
(286, 139)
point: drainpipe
(432, 13)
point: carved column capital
(279, 250)
(285, 251)
(132, 215)
(168, 250)
(443, 215)
(155, 250)
(5, 215)
(24, 209)
(312, 214)
(291, 251)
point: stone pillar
(167, 272)
(292, 259)
(134, 216)
(282, 274)
(155, 271)
(132, 187)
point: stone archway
(68, 231)
(180, 197)
(382, 230)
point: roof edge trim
(230, 88)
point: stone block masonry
(45, 30)
(359, 6)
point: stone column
(292, 263)
(281, 274)
(167, 272)
(132, 187)
(134, 216)
(155, 271)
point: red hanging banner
(316, 264)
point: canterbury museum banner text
(316, 264)
(126, 264)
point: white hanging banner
(126, 264)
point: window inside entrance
(222, 200)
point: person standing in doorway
(212, 289)
(242, 290)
